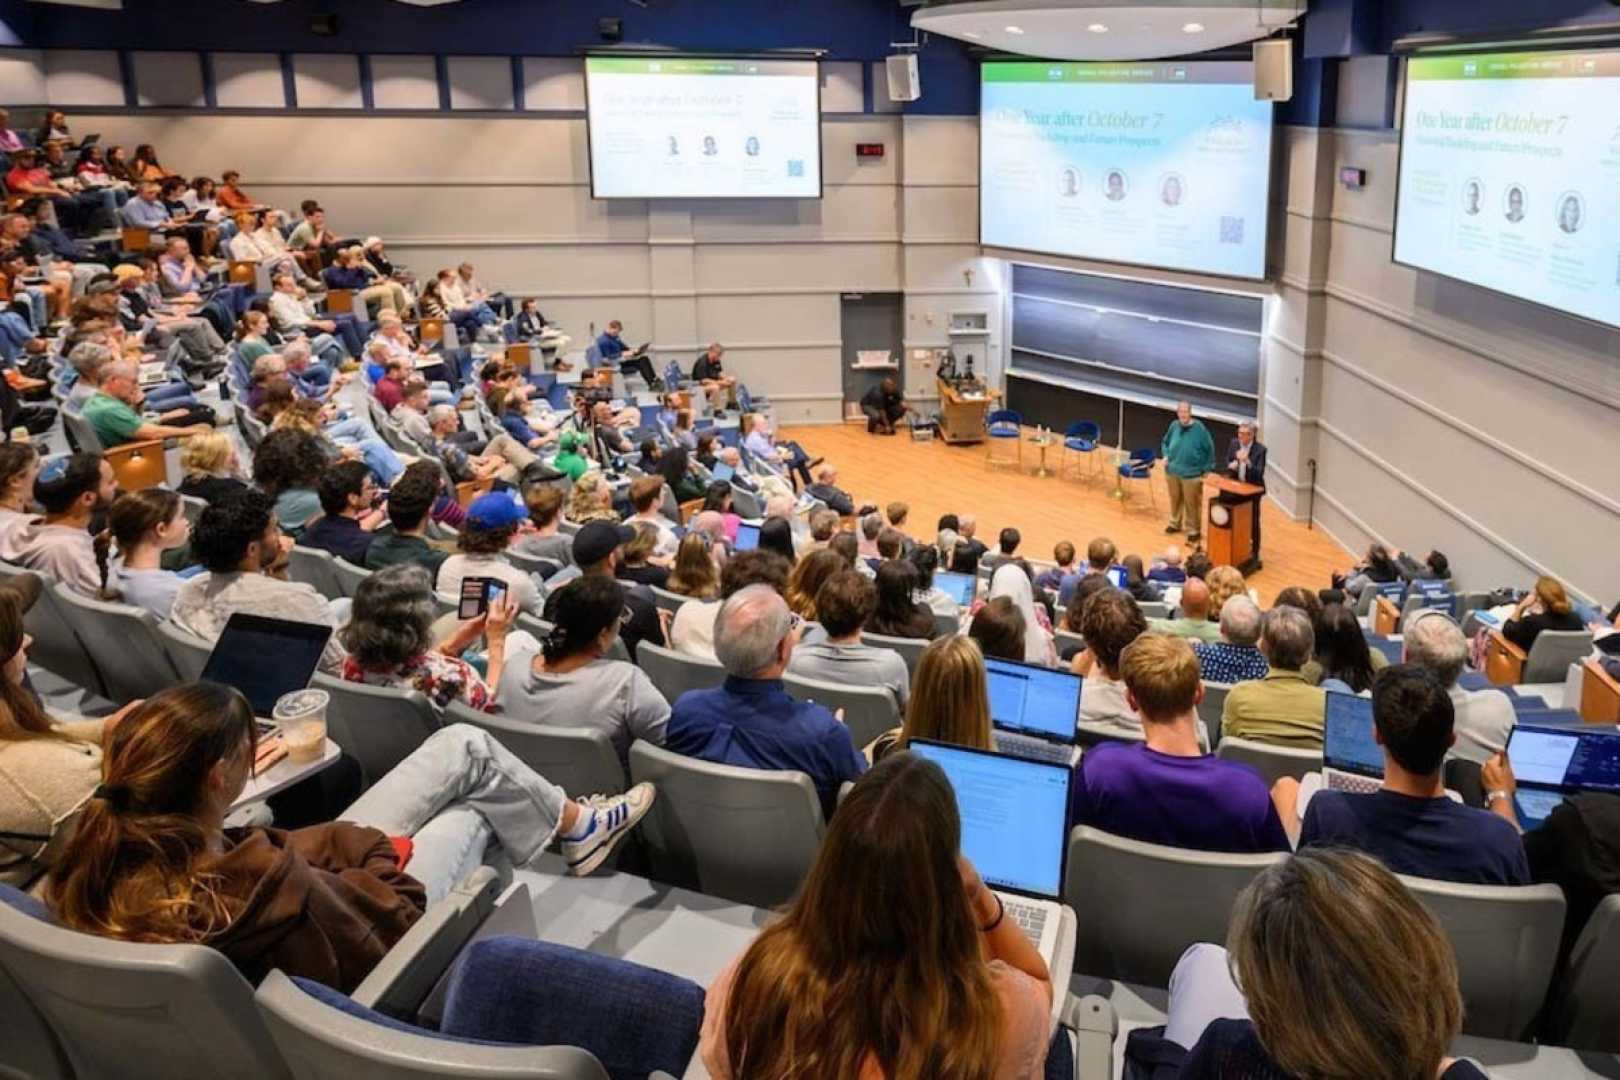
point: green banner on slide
(1201, 73)
(617, 65)
(1515, 65)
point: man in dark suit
(1246, 461)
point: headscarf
(1010, 581)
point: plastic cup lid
(300, 703)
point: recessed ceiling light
(1193, 28)
(1097, 28)
(1015, 29)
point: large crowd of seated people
(612, 528)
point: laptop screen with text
(1014, 815)
(1348, 742)
(1026, 697)
(747, 537)
(1566, 759)
(959, 587)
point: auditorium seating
(1271, 762)
(577, 759)
(675, 673)
(378, 725)
(869, 711)
(910, 649)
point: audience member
(410, 507)
(590, 499)
(696, 574)
(1006, 548)
(1281, 708)
(999, 629)
(1342, 653)
(751, 720)
(827, 490)
(1224, 583)
(1342, 969)
(153, 860)
(950, 701)
(287, 466)
(1051, 579)
(19, 468)
(823, 524)
(1546, 607)
(1483, 719)
(809, 575)
(843, 604)
(598, 551)
(897, 614)
(691, 632)
(1410, 824)
(1012, 581)
(776, 535)
(1168, 790)
(1198, 564)
(1167, 567)
(348, 520)
(72, 490)
(635, 558)
(1193, 622)
(1377, 568)
(244, 556)
(145, 524)
(1074, 616)
(969, 549)
(1111, 622)
(389, 638)
(1235, 657)
(545, 540)
(211, 470)
(925, 559)
(1141, 589)
(955, 989)
(1434, 567)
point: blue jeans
(378, 455)
(14, 334)
(38, 305)
(453, 794)
(170, 396)
(350, 331)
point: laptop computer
(1549, 763)
(1034, 710)
(239, 658)
(1015, 816)
(153, 372)
(722, 471)
(1117, 576)
(1352, 760)
(959, 587)
(747, 537)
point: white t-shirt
(520, 585)
(692, 630)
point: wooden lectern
(962, 418)
(1234, 517)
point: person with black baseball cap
(596, 554)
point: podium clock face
(1220, 515)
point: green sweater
(1188, 451)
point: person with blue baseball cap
(493, 521)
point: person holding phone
(389, 637)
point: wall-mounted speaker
(323, 25)
(904, 83)
(1273, 70)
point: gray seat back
(1154, 609)
(324, 1043)
(1585, 1013)
(1211, 708)
(675, 673)
(187, 652)
(1553, 651)
(30, 1049)
(1271, 762)
(1506, 940)
(947, 625)
(910, 649)
(1068, 643)
(668, 601)
(579, 760)
(80, 431)
(748, 835)
(193, 508)
(1088, 733)
(869, 711)
(313, 567)
(123, 644)
(747, 504)
(128, 1010)
(57, 648)
(1141, 905)
(378, 725)
(347, 576)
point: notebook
(1015, 816)
(239, 658)
(747, 537)
(1352, 760)
(959, 587)
(1034, 710)
(1549, 763)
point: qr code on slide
(1232, 230)
(795, 167)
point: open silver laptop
(1034, 710)
(1352, 760)
(1015, 815)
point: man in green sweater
(1188, 453)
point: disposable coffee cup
(301, 716)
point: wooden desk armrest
(1600, 695)
(1386, 617)
(1504, 661)
(138, 465)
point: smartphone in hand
(475, 593)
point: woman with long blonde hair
(894, 960)
(1546, 607)
(590, 500)
(950, 700)
(1224, 583)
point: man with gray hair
(751, 720)
(1484, 718)
(113, 411)
(1282, 708)
(1234, 658)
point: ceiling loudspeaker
(904, 83)
(1274, 70)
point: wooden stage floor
(937, 479)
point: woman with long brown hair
(1546, 607)
(894, 960)
(695, 573)
(152, 859)
(809, 575)
(950, 700)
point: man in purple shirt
(1168, 791)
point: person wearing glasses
(750, 720)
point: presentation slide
(693, 128)
(1157, 164)
(1510, 176)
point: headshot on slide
(1171, 190)
(1513, 201)
(1117, 187)
(1068, 182)
(751, 147)
(709, 147)
(1571, 212)
(1473, 192)
(674, 147)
